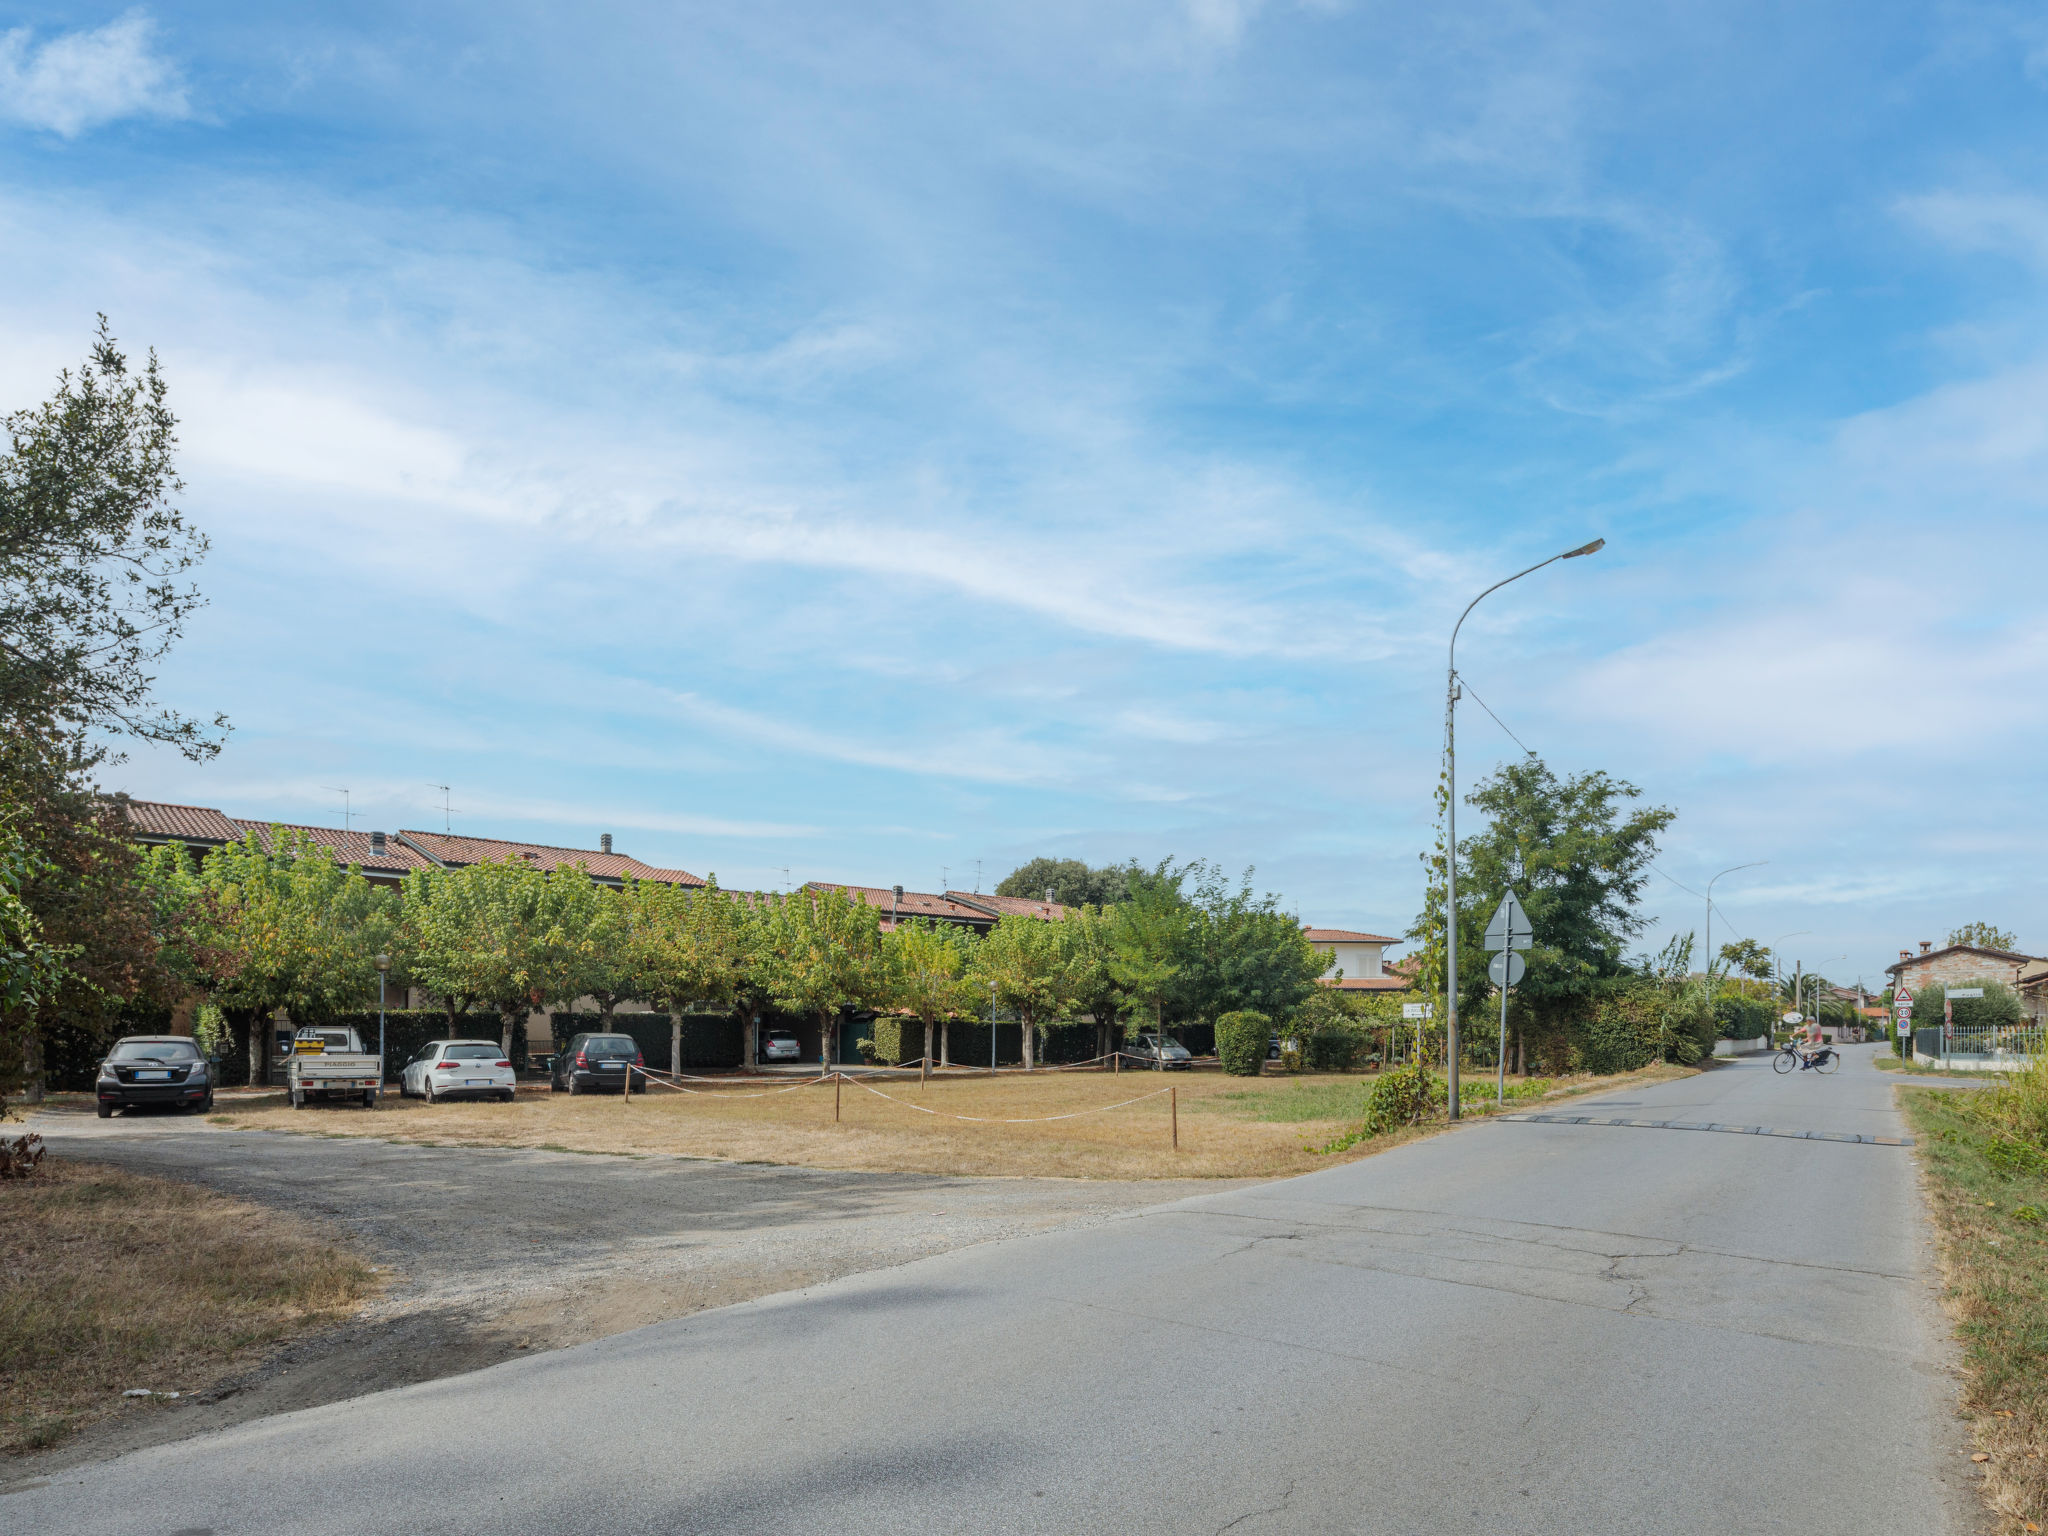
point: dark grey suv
(596, 1064)
(154, 1069)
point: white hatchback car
(458, 1069)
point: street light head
(382, 962)
(1593, 548)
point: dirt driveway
(495, 1251)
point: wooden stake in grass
(1173, 1103)
(836, 1079)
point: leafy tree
(1088, 951)
(93, 556)
(285, 926)
(79, 882)
(1748, 957)
(688, 946)
(93, 593)
(821, 951)
(1024, 961)
(1073, 883)
(1242, 951)
(506, 937)
(28, 966)
(1585, 855)
(1984, 936)
(925, 967)
(1148, 936)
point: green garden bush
(1241, 1042)
(1999, 1008)
(1743, 1018)
(1400, 1096)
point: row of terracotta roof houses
(1357, 960)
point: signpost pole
(1501, 1090)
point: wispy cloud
(77, 81)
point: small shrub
(1400, 1097)
(1241, 1042)
(1336, 1047)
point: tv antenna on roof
(332, 790)
(447, 810)
(945, 877)
(977, 877)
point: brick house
(1926, 974)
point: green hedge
(1743, 1018)
(407, 1029)
(711, 1041)
(1241, 1042)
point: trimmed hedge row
(713, 1041)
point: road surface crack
(1274, 1509)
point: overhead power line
(1496, 718)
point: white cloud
(80, 80)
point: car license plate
(476, 1082)
(611, 1066)
(160, 1077)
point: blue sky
(870, 442)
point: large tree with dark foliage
(1071, 882)
(1584, 849)
(94, 590)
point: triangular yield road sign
(1510, 928)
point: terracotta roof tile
(1371, 984)
(454, 849)
(1346, 936)
(194, 823)
(1010, 906)
(914, 904)
(347, 847)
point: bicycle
(1826, 1059)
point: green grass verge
(1989, 1197)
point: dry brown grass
(111, 1280)
(1229, 1127)
(1991, 1221)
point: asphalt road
(489, 1252)
(1522, 1327)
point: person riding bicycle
(1814, 1051)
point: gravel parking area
(495, 1251)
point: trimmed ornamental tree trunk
(945, 1042)
(1029, 1032)
(927, 1038)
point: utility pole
(1451, 695)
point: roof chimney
(1905, 954)
(1048, 896)
(604, 842)
(377, 849)
(1926, 945)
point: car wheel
(206, 1104)
(427, 1091)
(298, 1099)
(573, 1089)
(508, 1095)
(106, 1110)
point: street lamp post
(1758, 864)
(383, 964)
(1451, 691)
